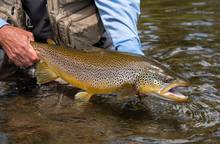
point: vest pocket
(74, 20)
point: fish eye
(168, 79)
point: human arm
(120, 21)
(2, 23)
(16, 44)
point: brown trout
(104, 72)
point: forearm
(120, 22)
(2, 23)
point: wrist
(130, 46)
(2, 23)
(3, 31)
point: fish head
(163, 85)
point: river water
(184, 35)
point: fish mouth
(170, 92)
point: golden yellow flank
(103, 72)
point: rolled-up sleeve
(120, 18)
(2, 23)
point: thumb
(30, 36)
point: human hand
(16, 44)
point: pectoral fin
(83, 96)
(44, 73)
(124, 94)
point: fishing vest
(72, 21)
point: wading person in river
(97, 72)
(66, 22)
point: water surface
(182, 34)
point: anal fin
(44, 73)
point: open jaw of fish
(169, 91)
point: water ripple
(198, 23)
(199, 36)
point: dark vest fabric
(68, 22)
(37, 12)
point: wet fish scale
(99, 70)
(102, 72)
